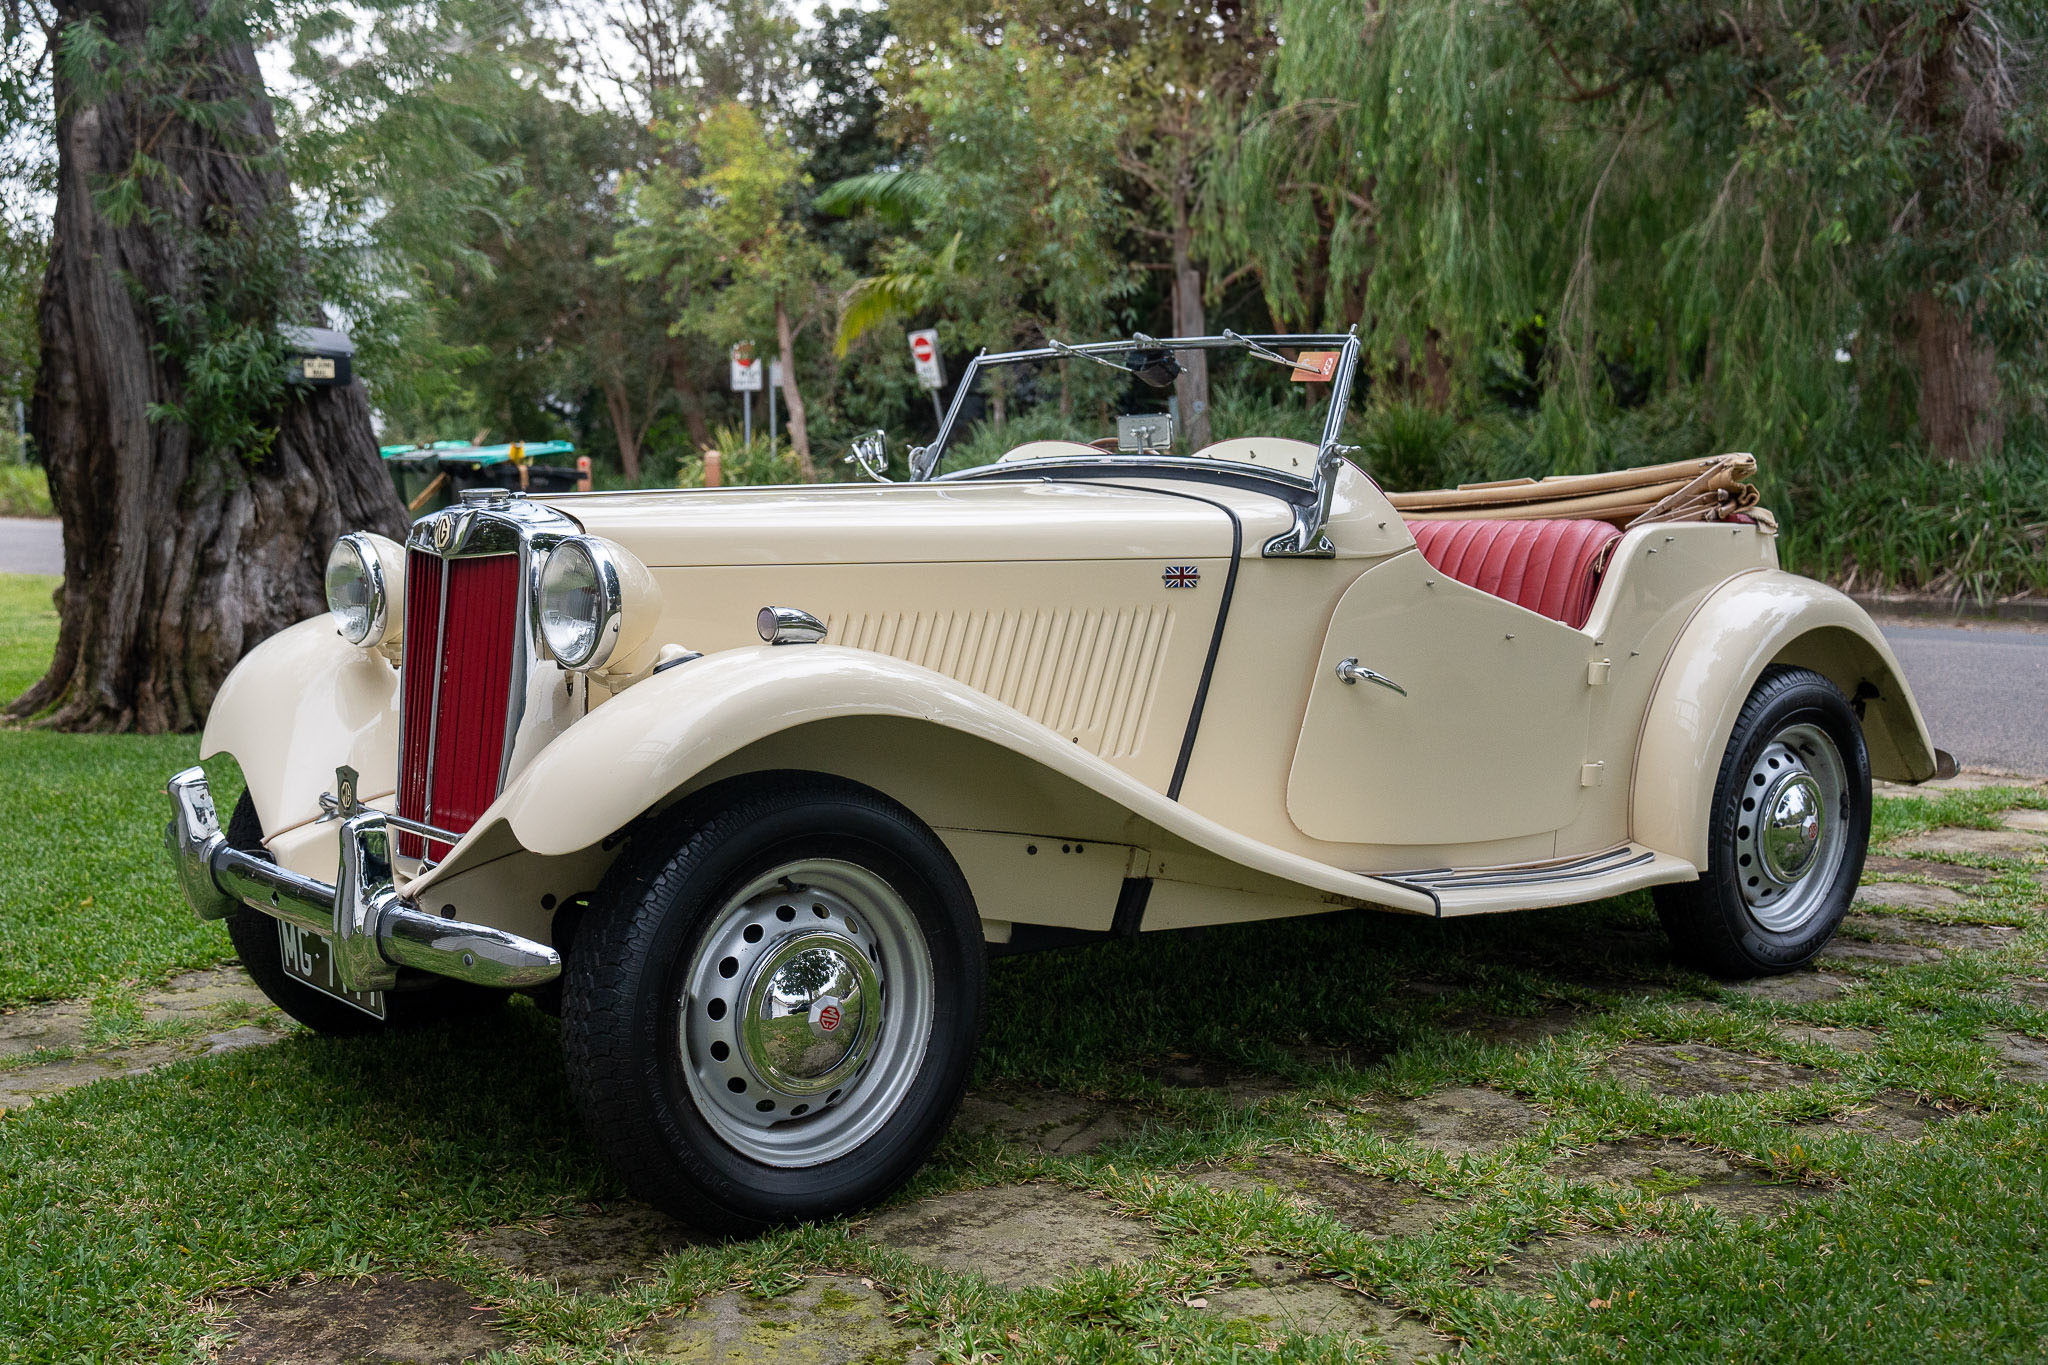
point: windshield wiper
(1259, 349)
(1080, 354)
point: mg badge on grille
(444, 531)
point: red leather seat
(1549, 566)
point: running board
(1482, 890)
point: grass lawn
(134, 1208)
(89, 898)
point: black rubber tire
(1709, 923)
(622, 996)
(256, 943)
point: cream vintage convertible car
(750, 782)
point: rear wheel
(1786, 835)
(257, 944)
(771, 1007)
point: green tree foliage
(1010, 220)
(1573, 233)
(1793, 212)
(725, 242)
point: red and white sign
(924, 352)
(746, 369)
(828, 1018)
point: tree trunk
(1960, 416)
(1190, 319)
(618, 404)
(1436, 372)
(690, 398)
(792, 401)
(178, 557)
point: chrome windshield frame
(1305, 538)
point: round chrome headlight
(581, 601)
(359, 589)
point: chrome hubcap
(809, 1011)
(806, 1012)
(1791, 830)
(1791, 827)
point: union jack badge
(1181, 575)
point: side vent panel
(1089, 674)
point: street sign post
(931, 366)
(746, 382)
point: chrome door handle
(1351, 671)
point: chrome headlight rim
(375, 625)
(608, 603)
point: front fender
(635, 751)
(1746, 625)
(296, 707)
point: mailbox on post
(319, 355)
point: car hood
(947, 522)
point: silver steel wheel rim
(1792, 828)
(806, 1012)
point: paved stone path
(1036, 1232)
(48, 1049)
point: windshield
(1125, 398)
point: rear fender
(1751, 622)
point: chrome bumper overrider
(375, 931)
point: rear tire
(256, 943)
(771, 1008)
(1786, 834)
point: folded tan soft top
(1714, 489)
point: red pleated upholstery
(1550, 567)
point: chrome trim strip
(1615, 860)
(434, 697)
(374, 929)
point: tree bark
(793, 401)
(1190, 318)
(690, 398)
(1960, 415)
(177, 558)
(618, 404)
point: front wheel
(771, 1007)
(1786, 835)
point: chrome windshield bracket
(1305, 539)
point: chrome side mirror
(871, 453)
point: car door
(1477, 731)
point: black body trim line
(1130, 907)
(1187, 739)
(1284, 487)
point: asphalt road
(1984, 688)
(31, 545)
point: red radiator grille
(456, 688)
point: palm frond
(897, 197)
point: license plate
(309, 957)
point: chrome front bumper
(374, 930)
